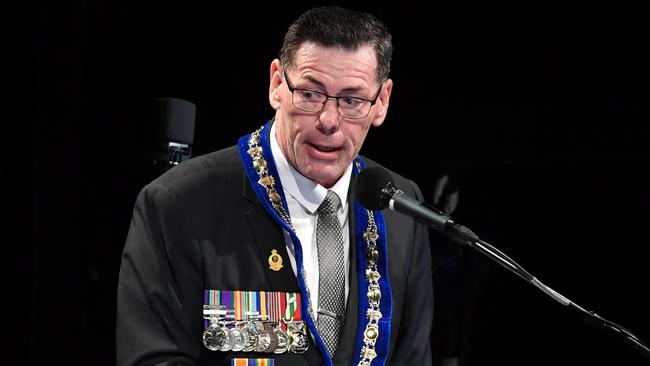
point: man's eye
(350, 102)
(308, 94)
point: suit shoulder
(213, 171)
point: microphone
(375, 190)
(174, 120)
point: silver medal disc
(239, 339)
(274, 342)
(250, 335)
(228, 342)
(263, 340)
(213, 338)
(283, 341)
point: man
(258, 254)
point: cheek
(299, 135)
(304, 127)
(357, 136)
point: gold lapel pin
(275, 261)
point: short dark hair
(338, 27)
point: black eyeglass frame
(338, 105)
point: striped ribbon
(252, 362)
(273, 306)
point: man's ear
(275, 82)
(382, 103)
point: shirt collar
(308, 193)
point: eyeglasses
(313, 101)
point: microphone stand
(170, 155)
(464, 236)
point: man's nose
(329, 117)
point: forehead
(337, 62)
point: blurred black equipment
(173, 126)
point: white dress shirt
(303, 198)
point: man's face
(321, 145)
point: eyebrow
(322, 86)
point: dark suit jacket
(200, 226)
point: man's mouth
(325, 148)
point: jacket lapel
(268, 238)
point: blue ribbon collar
(375, 300)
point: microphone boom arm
(462, 235)
(375, 190)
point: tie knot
(330, 204)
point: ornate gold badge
(275, 261)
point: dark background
(543, 112)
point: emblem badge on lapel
(275, 261)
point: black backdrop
(545, 110)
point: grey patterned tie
(331, 279)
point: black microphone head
(174, 118)
(371, 188)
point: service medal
(267, 341)
(283, 341)
(250, 334)
(263, 340)
(213, 338)
(228, 341)
(239, 339)
(299, 342)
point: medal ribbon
(252, 362)
(273, 306)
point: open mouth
(324, 152)
(325, 148)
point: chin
(327, 177)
